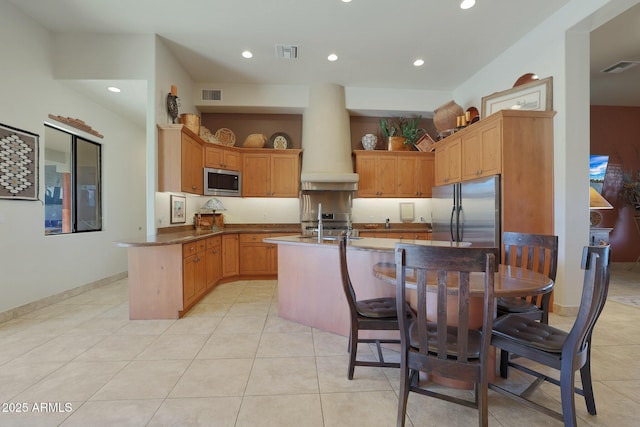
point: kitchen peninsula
(309, 282)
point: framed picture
(178, 209)
(18, 164)
(537, 95)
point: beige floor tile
(214, 378)
(371, 409)
(328, 344)
(15, 345)
(171, 347)
(285, 345)
(194, 412)
(113, 413)
(118, 347)
(241, 325)
(62, 348)
(277, 324)
(194, 325)
(16, 376)
(230, 346)
(283, 375)
(207, 310)
(332, 376)
(146, 379)
(75, 381)
(249, 309)
(301, 410)
(145, 327)
(98, 326)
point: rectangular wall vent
(286, 51)
(211, 95)
(620, 67)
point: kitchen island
(309, 283)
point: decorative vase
(396, 143)
(369, 141)
(444, 117)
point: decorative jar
(369, 141)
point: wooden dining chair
(378, 314)
(434, 343)
(557, 349)
(537, 252)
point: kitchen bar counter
(309, 283)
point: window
(73, 183)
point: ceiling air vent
(286, 51)
(211, 95)
(620, 67)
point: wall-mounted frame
(407, 212)
(537, 96)
(178, 209)
(18, 163)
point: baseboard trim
(52, 299)
(562, 310)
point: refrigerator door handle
(460, 220)
(453, 212)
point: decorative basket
(255, 140)
(191, 121)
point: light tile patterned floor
(233, 362)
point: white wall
(32, 265)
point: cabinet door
(192, 165)
(193, 278)
(254, 255)
(285, 175)
(221, 158)
(448, 168)
(256, 175)
(214, 261)
(230, 265)
(386, 176)
(407, 174)
(426, 175)
(366, 169)
(481, 152)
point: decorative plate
(280, 140)
(225, 136)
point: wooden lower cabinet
(194, 272)
(214, 261)
(258, 258)
(230, 259)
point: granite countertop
(185, 234)
(364, 243)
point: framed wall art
(178, 209)
(18, 164)
(537, 96)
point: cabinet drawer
(253, 237)
(214, 241)
(191, 248)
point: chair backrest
(595, 261)
(537, 252)
(448, 269)
(344, 271)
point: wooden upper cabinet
(394, 174)
(482, 151)
(180, 160)
(221, 157)
(448, 162)
(271, 173)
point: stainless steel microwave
(221, 182)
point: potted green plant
(402, 133)
(630, 190)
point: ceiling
(376, 41)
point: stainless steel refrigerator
(467, 212)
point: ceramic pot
(396, 143)
(369, 141)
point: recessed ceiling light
(418, 62)
(467, 4)
(346, 1)
(114, 89)
(332, 57)
(247, 54)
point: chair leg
(504, 363)
(567, 390)
(587, 387)
(406, 376)
(353, 351)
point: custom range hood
(326, 141)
